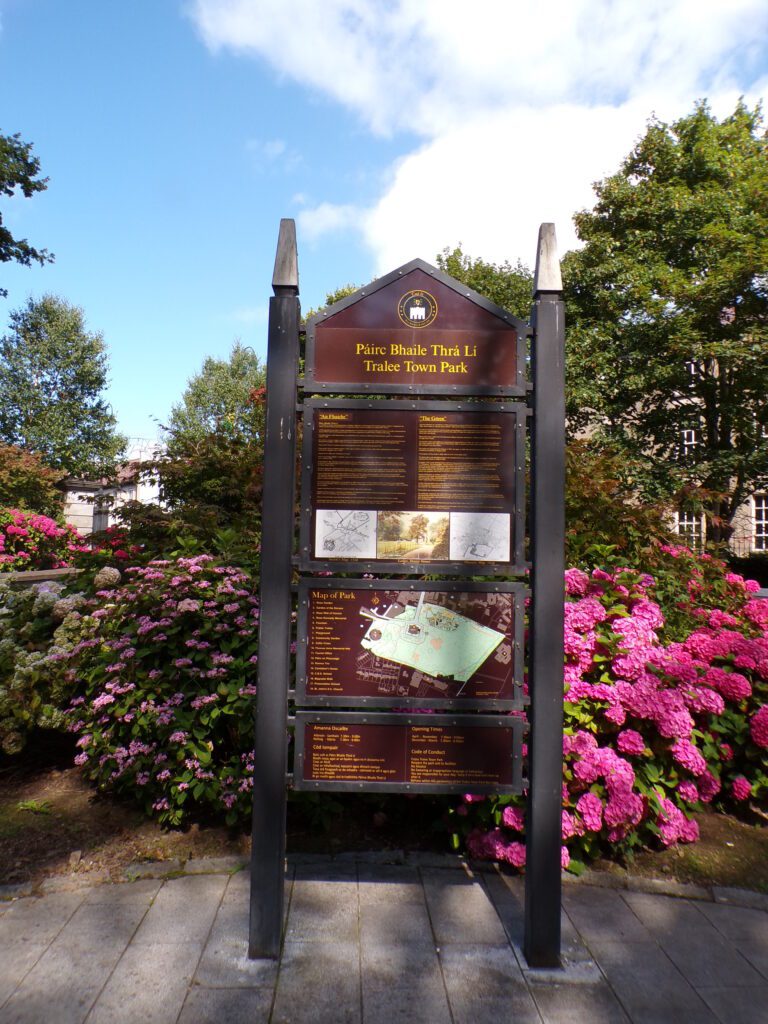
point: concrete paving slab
(486, 986)
(738, 924)
(758, 958)
(225, 963)
(738, 1005)
(64, 983)
(226, 1006)
(323, 911)
(97, 924)
(461, 910)
(389, 882)
(649, 986)
(602, 915)
(403, 985)
(143, 891)
(395, 924)
(563, 1003)
(183, 910)
(39, 918)
(16, 960)
(318, 982)
(691, 942)
(149, 984)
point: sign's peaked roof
(404, 271)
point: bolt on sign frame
(429, 481)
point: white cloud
(319, 220)
(520, 105)
(273, 152)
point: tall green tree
(19, 172)
(667, 305)
(210, 473)
(52, 375)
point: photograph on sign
(391, 644)
(417, 329)
(410, 484)
(399, 752)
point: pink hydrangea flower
(630, 742)
(758, 726)
(741, 788)
(590, 807)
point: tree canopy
(52, 375)
(211, 471)
(19, 170)
(27, 483)
(668, 308)
(507, 285)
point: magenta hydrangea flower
(741, 788)
(758, 726)
(514, 818)
(590, 807)
(629, 741)
(690, 757)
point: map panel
(404, 644)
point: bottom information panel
(400, 753)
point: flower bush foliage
(31, 696)
(164, 670)
(32, 541)
(658, 722)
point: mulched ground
(52, 822)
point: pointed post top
(547, 277)
(286, 273)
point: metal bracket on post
(542, 879)
(270, 749)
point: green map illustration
(432, 639)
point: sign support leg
(270, 750)
(542, 879)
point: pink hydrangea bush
(164, 670)
(31, 541)
(654, 727)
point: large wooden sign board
(417, 410)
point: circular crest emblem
(417, 308)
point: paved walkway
(369, 943)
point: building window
(689, 439)
(761, 522)
(690, 528)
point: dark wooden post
(542, 878)
(277, 531)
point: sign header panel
(415, 333)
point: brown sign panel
(398, 752)
(418, 331)
(390, 644)
(408, 485)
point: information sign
(398, 482)
(382, 643)
(415, 329)
(411, 753)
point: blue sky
(176, 134)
